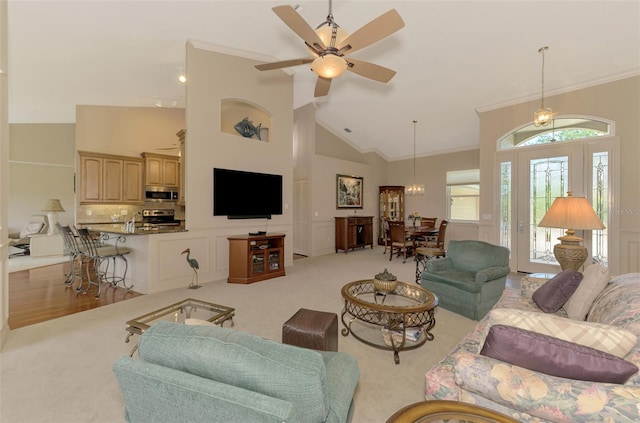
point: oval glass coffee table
(398, 320)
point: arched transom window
(561, 130)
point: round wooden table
(407, 310)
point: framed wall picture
(349, 192)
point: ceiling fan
(329, 44)
(174, 147)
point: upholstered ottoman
(313, 329)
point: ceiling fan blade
(298, 25)
(370, 70)
(322, 87)
(284, 64)
(379, 28)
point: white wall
(214, 76)
(41, 166)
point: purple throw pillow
(553, 356)
(552, 295)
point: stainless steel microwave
(160, 194)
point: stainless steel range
(159, 217)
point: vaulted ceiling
(452, 59)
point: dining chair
(438, 243)
(399, 242)
(73, 249)
(430, 250)
(101, 262)
(429, 222)
(386, 235)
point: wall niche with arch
(244, 119)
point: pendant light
(414, 189)
(543, 115)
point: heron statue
(193, 263)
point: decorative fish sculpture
(246, 128)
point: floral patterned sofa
(531, 396)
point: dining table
(414, 232)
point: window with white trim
(463, 195)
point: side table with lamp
(571, 213)
(51, 244)
(53, 207)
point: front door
(532, 178)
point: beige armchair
(38, 224)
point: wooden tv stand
(255, 258)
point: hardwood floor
(38, 295)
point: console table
(255, 258)
(353, 232)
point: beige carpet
(60, 371)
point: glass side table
(186, 309)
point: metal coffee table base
(406, 308)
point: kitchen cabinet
(133, 180)
(106, 178)
(353, 232)
(255, 258)
(391, 207)
(161, 170)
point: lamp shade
(571, 213)
(53, 205)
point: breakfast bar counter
(156, 262)
(119, 229)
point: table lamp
(575, 213)
(52, 207)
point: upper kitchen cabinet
(161, 170)
(106, 178)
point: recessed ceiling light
(347, 130)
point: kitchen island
(156, 262)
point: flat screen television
(246, 195)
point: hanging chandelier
(414, 189)
(543, 115)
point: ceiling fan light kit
(329, 44)
(329, 66)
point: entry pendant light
(543, 115)
(414, 189)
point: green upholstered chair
(214, 374)
(470, 279)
